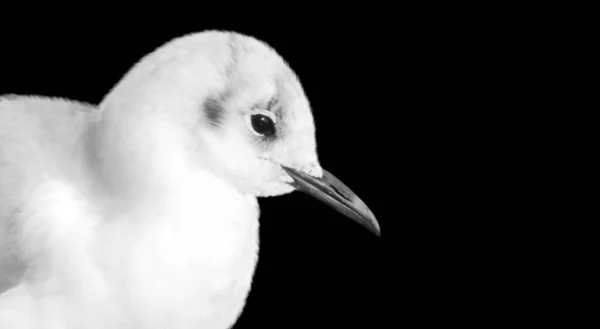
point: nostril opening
(341, 193)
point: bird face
(265, 120)
(243, 114)
(260, 124)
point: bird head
(227, 103)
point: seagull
(141, 212)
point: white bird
(142, 212)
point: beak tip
(378, 232)
(374, 227)
(369, 221)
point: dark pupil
(263, 125)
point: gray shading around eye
(214, 110)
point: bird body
(142, 212)
(140, 262)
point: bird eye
(262, 125)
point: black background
(316, 268)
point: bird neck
(153, 166)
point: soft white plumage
(142, 213)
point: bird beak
(333, 192)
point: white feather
(138, 214)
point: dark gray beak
(333, 192)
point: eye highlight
(262, 124)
